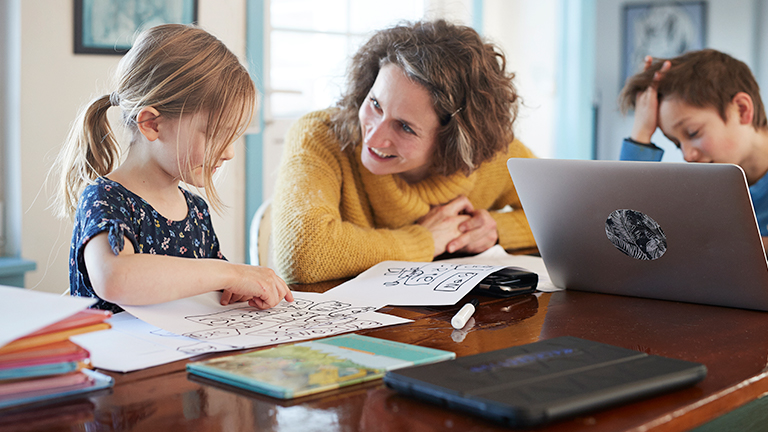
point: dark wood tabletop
(732, 343)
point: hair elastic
(114, 99)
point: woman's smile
(379, 154)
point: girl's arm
(139, 279)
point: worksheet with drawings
(238, 325)
(404, 283)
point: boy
(708, 104)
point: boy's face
(702, 134)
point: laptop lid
(670, 231)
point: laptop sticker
(636, 234)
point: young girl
(185, 99)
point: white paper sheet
(498, 256)
(403, 283)
(311, 315)
(132, 344)
(25, 311)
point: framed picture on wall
(661, 30)
(109, 26)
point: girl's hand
(228, 297)
(647, 106)
(260, 285)
(479, 234)
(443, 222)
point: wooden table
(732, 343)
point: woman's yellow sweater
(333, 219)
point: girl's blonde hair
(178, 70)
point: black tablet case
(537, 383)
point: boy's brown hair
(706, 78)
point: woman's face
(399, 126)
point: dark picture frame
(661, 30)
(109, 26)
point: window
(308, 46)
(310, 43)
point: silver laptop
(671, 231)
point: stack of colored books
(46, 365)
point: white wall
(528, 33)
(457, 11)
(731, 27)
(55, 83)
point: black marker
(464, 314)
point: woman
(411, 163)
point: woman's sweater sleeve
(512, 226)
(315, 184)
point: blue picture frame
(109, 26)
(661, 30)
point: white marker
(464, 314)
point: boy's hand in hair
(647, 106)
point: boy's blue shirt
(758, 191)
(632, 151)
(108, 206)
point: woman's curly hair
(473, 96)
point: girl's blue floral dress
(108, 206)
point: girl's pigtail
(90, 151)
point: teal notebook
(38, 370)
(304, 368)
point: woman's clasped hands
(457, 227)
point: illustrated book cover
(305, 368)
